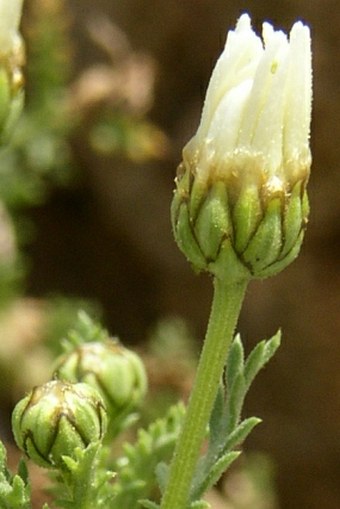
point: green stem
(228, 298)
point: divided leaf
(152, 450)
(15, 490)
(225, 429)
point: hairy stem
(228, 298)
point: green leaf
(241, 432)
(162, 474)
(235, 401)
(220, 466)
(259, 356)
(14, 491)
(136, 478)
(235, 361)
(254, 362)
(23, 471)
(200, 504)
(85, 330)
(217, 418)
(3, 456)
(85, 480)
(148, 504)
(18, 489)
(225, 430)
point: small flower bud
(240, 207)
(116, 372)
(11, 61)
(55, 418)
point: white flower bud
(10, 14)
(257, 111)
(240, 207)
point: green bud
(116, 372)
(55, 419)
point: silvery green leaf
(259, 356)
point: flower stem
(228, 298)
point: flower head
(245, 170)
(55, 419)
(117, 373)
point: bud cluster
(116, 372)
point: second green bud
(116, 372)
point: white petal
(257, 110)
(236, 64)
(262, 125)
(298, 95)
(10, 14)
(225, 124)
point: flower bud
(11, 62)
(116, 372)
(240, 206)
(55, 418)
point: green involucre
(56, 418)
(238, 231)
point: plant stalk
(226, 306)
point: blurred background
(114, 90)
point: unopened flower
(241, 188)
(115, 371)
(55, 419)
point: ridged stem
(227, 301)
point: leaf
(136, 469)
(23, 471)
(217, 418)
(14, 494)
(235, 361)
(220, 466)
(235, 401)
(162, 475)
(225, 430)
(200, 504)
(85, 480)
(85, 330)
(3, 457)
(259, 356)
(14, 491)
(241, 432)
(148, 504)
(18, 489)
